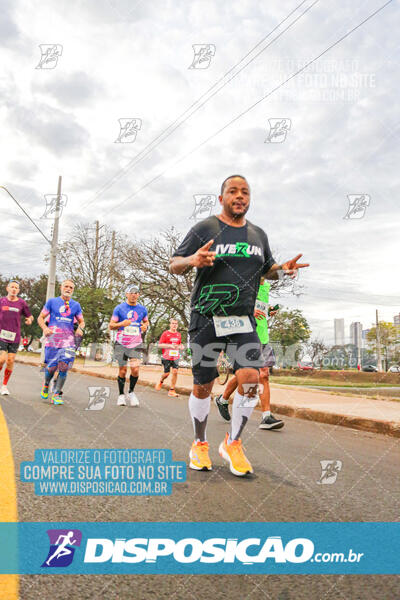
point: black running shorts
(9, 347)
(243, 350)
(169, 364)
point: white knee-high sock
(199, 409)
(242, 408)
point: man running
(130, 319)
(170, 342)
(11, 310)
(77, 340)
(60, 346)
(261, 312)
(230, 254)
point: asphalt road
(283, 488)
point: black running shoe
(223, 407)
(271, 423)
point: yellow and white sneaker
(234, 455)
(199, 459)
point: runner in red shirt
(12, 309)
(170, 342)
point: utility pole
(378, 343)
(96, 256)
(112, 263)
(51, 282)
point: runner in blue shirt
(60, 337)
(130, 320)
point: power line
(253, 105)
(26, 214)
(176, 124)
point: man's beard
(233, 215)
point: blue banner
(200, 548)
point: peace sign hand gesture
(291, 266)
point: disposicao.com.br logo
(213, 550)
(62, 547)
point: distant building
(396, 322)
(356, 334)
(364, 334)
(339, 332)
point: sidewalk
(357, 412)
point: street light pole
(51, 282)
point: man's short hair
(65, 281)
(12, 281)
(133, 288)
(230, 177)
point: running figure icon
(62, 549)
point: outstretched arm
(290, 268)
(202, 258)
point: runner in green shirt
(261, 313)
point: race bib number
(173, 353)
(8, 335)
(132, 330)
(231, 325)
(263, 306)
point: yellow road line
(8, 503)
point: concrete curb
(363, 424)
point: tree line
(102, 262)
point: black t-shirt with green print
(231, 285)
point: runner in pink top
(12, 309)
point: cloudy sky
(130, 59)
